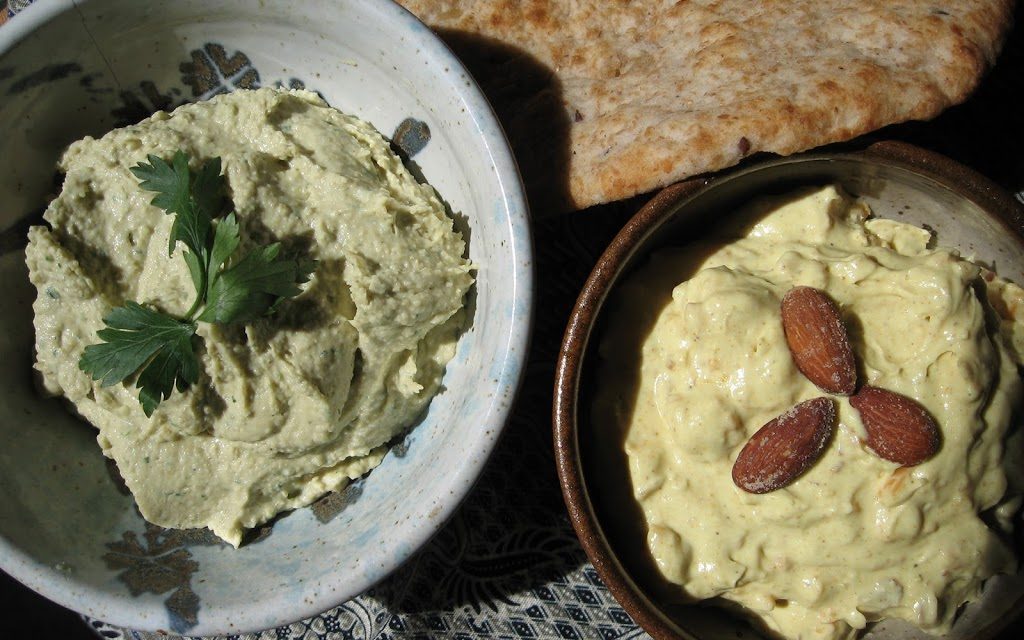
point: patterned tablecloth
(508, 564)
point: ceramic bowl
(72, 68)
(897, 181)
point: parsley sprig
(229, 288)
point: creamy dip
(691, 369)
(288, 407)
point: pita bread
(605, 99)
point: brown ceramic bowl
(899, 181)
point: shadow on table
(527, 97)
(511, 541)
(512, 534)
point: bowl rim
(31, 18)
(995, 201)
(460, 481)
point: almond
(817, 339)
(899, 429)
(786, 447)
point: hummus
(288, 407)
(688, 377)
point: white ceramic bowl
(68, 69)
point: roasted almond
(899, 429)
(785, 447)
(818, 341)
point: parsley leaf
(139, 337)
(193, 201)
(225, 241)
(253, 286)
(159, 346)
(208, 189)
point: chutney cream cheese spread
(688, 376)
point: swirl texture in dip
(288, 407)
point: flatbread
(605, 99)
